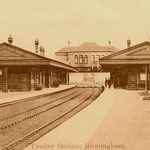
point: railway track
(10, 109)
(56, 114)
(35, 97)
(31, 109)
(41, 109)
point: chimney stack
(10, 39)
(128, 43)
(68, 43)
(41, 50)
(36, 46)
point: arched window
(86, 59)
(76, 59)
(80, 58)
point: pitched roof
(88, 47)
(12, 52)
(13, 55)
(137, 54)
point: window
(97, 58)
(93, 58)
(102, 55)
(142, 76)
(80, 58)
(86, 59)
(76, 59)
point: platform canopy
(133, 62)
(13, 55)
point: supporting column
(67, 78)
(146, 81)
(5, 80)
(51, 77)
(47, 77)
(41, 78)
(29, 74)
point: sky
(55, 22)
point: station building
(131, 66)
(85, 58)
(22, 70)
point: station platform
(118, 119)
(13, 96)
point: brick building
(84, 57)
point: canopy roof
(13, 55)
(138, 54)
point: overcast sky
(55, 22)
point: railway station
(22, 70)
(83, 84)
(121, 117)
(70, 116)
(85, 58)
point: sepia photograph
(74, 75)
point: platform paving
(118, 120)
(12, 96)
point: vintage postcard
(74, 75)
